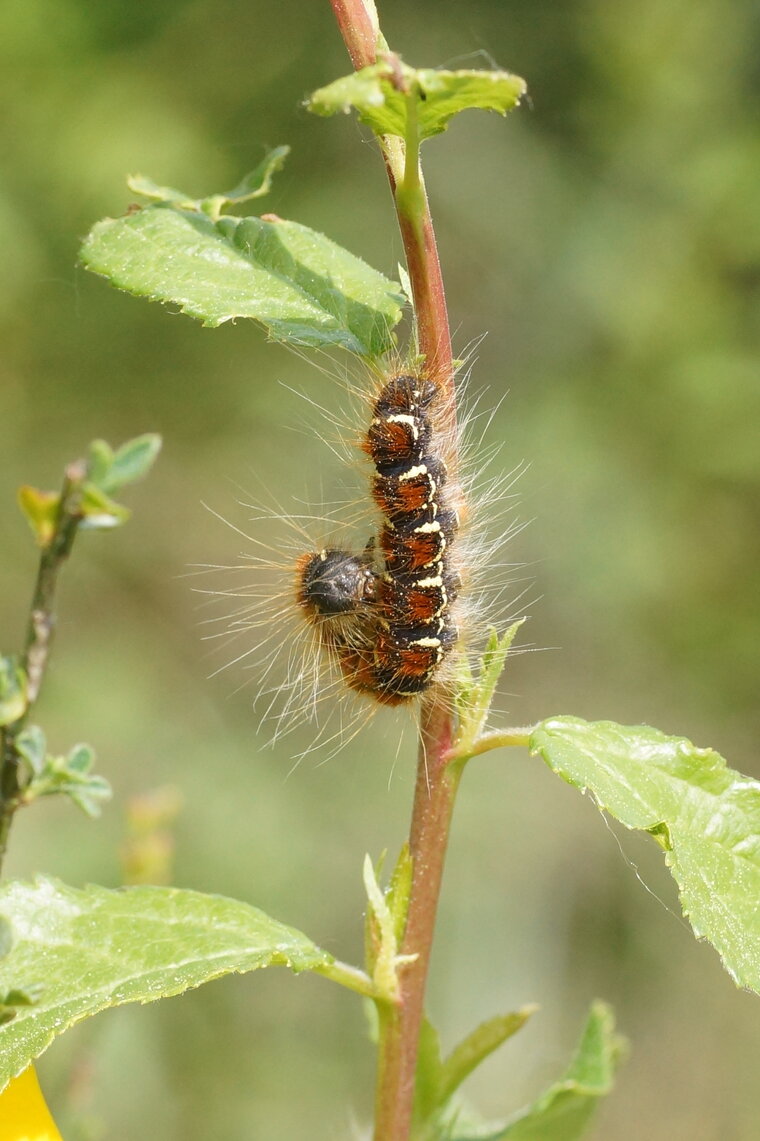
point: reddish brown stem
(437, 777)
(435, 792)
(357, 31)
(417, 235)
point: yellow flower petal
(24, 1116)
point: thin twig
(38, 639)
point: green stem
(348, 976)
(39, 635)
(498, 739)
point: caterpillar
(358, 596)
(396, 624)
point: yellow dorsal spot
(24, 1116)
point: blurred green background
(608, 241)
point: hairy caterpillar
(401, 626)
(362, 597)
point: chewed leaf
(380, 95)
(150, 189)
(254, 185)
(704, 814)
(565, 1110)
(301, 286)
(259, 181)
(99, 948)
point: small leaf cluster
(386, 922)
(70, 776)
(385, 94)
(85, 501)
(90, 499)
(108, 471)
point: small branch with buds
(39, 635)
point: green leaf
(99, 461)
(382, 957)
(254, 185)
(31, 746)
(302, 287)
(70, 776)
(475, 693)
(88, 795)
(98, 948)
(566, 1109)
(380, 95)
(259, 181)
(399, 890)
(80, 759)
(12, 690)
(153, 190)
(6, 936)
(478, 1045)
(705, 815)
(437, 1081)
(41, 511)
(99, 511)
(132, 461)
(428, 1078)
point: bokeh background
(607, 240)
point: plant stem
(348, 976)
(500, 739)
(416, 228)
(435, 792)
(437, 777)
(356, 27)
(38, 639)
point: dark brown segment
(407, 604)
(405, 394)
(404, 662)
(395, 496)
(409, 553)
(394, 445)
(361, 673)
(407, 493)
